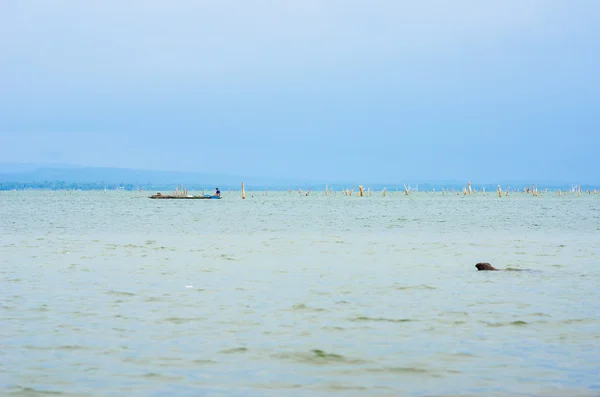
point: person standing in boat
(217, 192)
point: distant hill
(113, 175)
(66, 176)
(18, 176)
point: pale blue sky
(373, 91)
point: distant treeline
(58, 185)
(61, 185)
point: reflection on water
(107, 294)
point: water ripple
(318, 357)
(382, 319)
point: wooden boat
(181, 197)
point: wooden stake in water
(243, 191)
(470, 191)
(499, 191)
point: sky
(340, 90)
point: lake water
(113, 294)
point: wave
(234, 350)
(303, 307)
(182, 320)
(382, 319)
(421, 286)
(517, 323)
(319, 357)
(21, 391)
(120, 293)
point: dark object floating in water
(484, 266)
(171, 197)
(487, 266)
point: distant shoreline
(391, 188)
(66, 177)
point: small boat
(178, 197)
